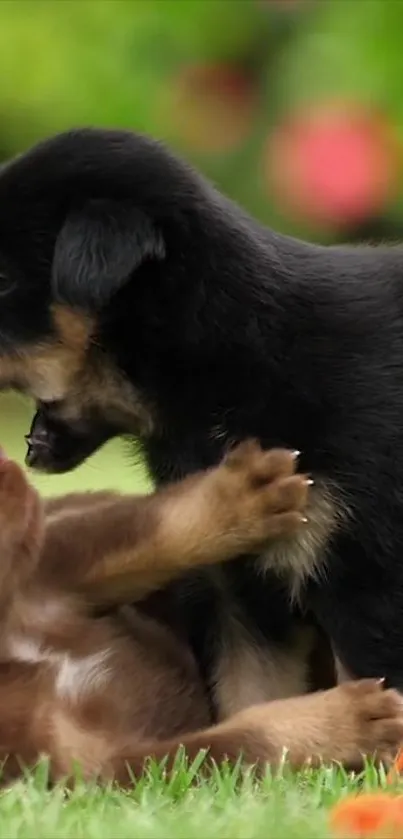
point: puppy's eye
(6, 284)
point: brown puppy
(107, 692)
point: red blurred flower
(397, 768)
(369, 815)
(334, 164)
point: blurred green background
(293, 107)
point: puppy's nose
(39, 447)
(38, 440)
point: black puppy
(136, 299)
(56, 447)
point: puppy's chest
(268, 589)
(304, 557)
(72, 676)
(264, 644)
(254, 621)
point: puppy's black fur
(227, 330)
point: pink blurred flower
(334, 163)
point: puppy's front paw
(352, 722)
(372, 721)
(343, 725)
(265, 497)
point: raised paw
(352, 722)
(343, 725)
(372, 721)
(264, 495)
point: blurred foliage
(221, 81)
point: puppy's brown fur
(70, 363)
(108, 692)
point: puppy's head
(56, 445)
(84, 223)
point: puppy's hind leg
(343, 725)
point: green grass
(286, 807)
(184, 807)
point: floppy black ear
(97, 250)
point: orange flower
(397, 767)
(369, 815)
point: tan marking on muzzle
(69, 367)
(45, 370)
(100, 387)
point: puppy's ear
(98, 249)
